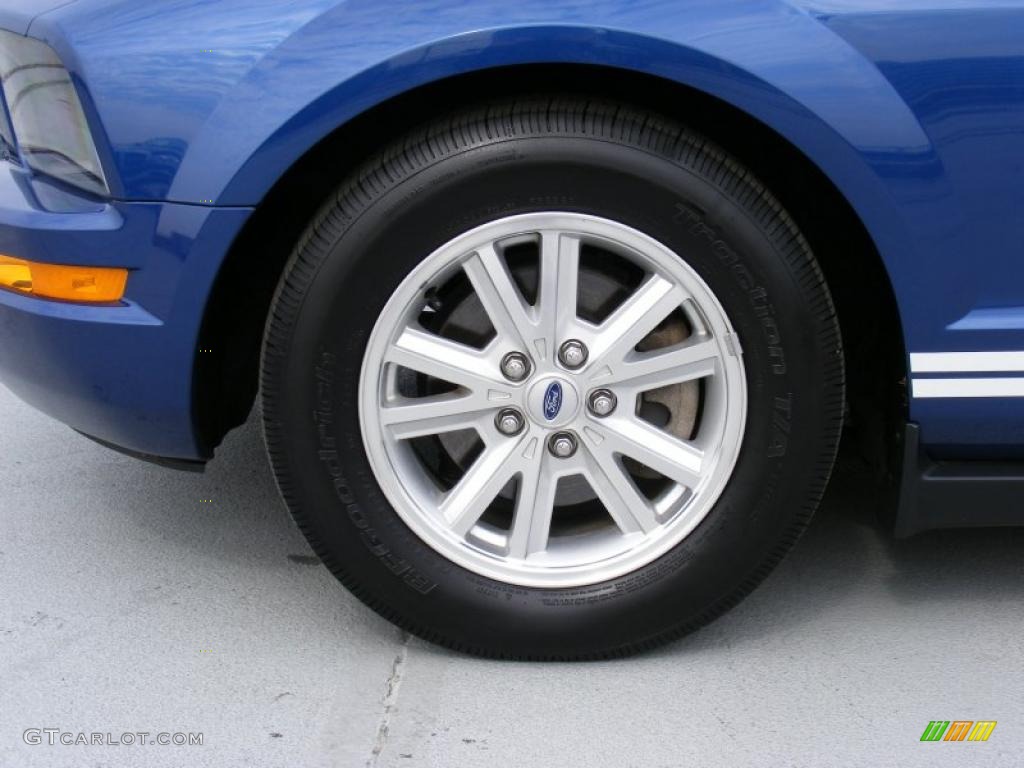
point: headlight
(49, 126)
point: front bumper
(120, 373)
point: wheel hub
(552, 401)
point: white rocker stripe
(1004, 387)
(975, 362)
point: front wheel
(552, 379)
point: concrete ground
(134, 598)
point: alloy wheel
(537, 430)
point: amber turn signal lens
(57, 281)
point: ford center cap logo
(552, 400)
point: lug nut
(562, 444)
(572, 354)
(509, 421)
(515, 366)
(602, 402)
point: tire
(595, 164)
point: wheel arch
(225, 382)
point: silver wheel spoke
(434, 415)
(643, 371)
(624, 503)
(443, 359)
(559, 284)
(504, 304)
(666, 454)
(463, 505)
(535, 503)
(640, 314)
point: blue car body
(912, 109)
